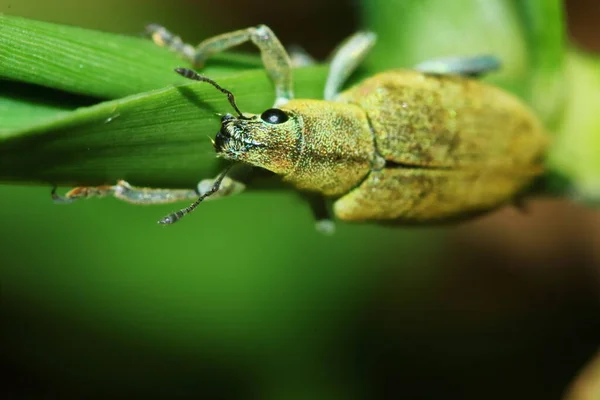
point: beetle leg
(140, 195)
(228, 187)
(323, 220)
(475, 66)
(348, 55)
(162, 37)
(82, 192)
(299, 57)
(275, 58)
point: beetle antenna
(177, 215)
(193, 75)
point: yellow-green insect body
(400, 145)
(452, 145)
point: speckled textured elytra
(417, 145)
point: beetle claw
(325, 226)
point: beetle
(414, 145)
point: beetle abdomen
(423, 195)
(453, 146)
(448, 121)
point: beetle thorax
(337, 147)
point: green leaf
(18, 110)
(94, 63)
(544, 34)
(159, 138)
(575, 153)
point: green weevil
(415, 145)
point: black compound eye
(274, 116)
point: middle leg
(348, 55)
(324, 222)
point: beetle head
(270, 140)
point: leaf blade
(93, 63)
(158, 138)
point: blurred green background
(246, 300)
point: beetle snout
(221, 138)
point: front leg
(124, 191)
(208, 189)
(275, 58)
